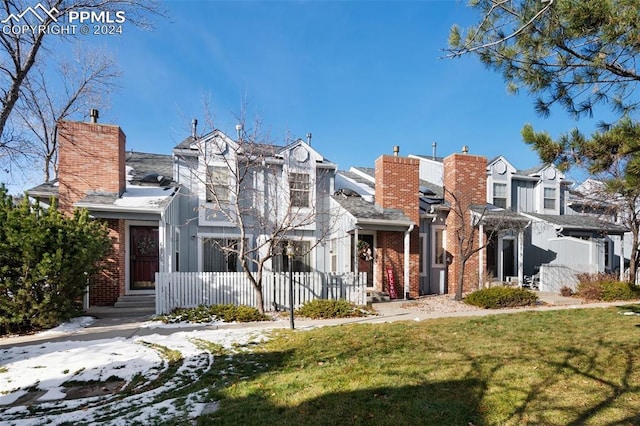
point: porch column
(520, 258)
(355, 251)
(407, 261)
(481, 257)
(162, 246)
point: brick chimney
(465, 177)
(91, 159)
(398, 187)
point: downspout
(407, 252)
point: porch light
(290, 251)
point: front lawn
(565, 367)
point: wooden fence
(190, 289)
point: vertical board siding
(191, 289)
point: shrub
(501, 297)
(605, 287)
(321, 308)
(45, 261)
(566, 291)
(225, 313)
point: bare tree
(85, 82)
(467, 223)
(20, 51)
(250, 186)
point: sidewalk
(116, 322)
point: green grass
(569, 367)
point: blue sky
(362, 76)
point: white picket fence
(190, 289)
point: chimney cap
(396, 150)
(94, 115)
(465, 149)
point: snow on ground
(45, 367)
(69, 327)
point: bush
(321, 308)
(501, 297)
(45, 261)
(566, 291)
(606, 288)
(203, 314)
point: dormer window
(549, 198)
(500, 195)
(299, 189)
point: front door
(144, 260)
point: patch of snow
(47, 366)
(70, 326)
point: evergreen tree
(46, 260)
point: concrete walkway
(129, 323)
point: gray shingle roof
(361, 209)
(581, 222)
(144, 163)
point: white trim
(202, 235)
(127, 253)
(435, 229)
(501, 255)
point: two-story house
(537, 219)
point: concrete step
(377, 296)
(130, 301)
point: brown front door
(144, 260)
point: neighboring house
(542, 221)
(178, 212)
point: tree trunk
(460, 280)
(259, 299)
(632, 257)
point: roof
(139, 165)
(365, 211)
(581, 223)
(497, 216)
(357, 178)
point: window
(219, 255)
(301, 260)
(299, 189)
(439, 253)
(217, 183)
(550, 198)
(500, 195)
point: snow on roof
(136, 196)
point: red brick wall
(465, 177)
(398, 187)
(109, 284)
(91, 158)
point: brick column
(465, 183)
(398, 187)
